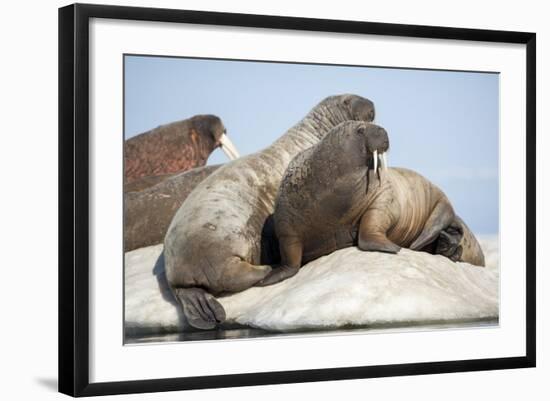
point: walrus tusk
(228, 148)
(384, 161)
(375, 156)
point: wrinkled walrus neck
(313, 127)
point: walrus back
(471, 249)
(222, 217)
(149, 212)
(315, 205)
(415, 197)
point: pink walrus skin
(175, 147)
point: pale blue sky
(442, 124)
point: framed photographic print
(250, 199)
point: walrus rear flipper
(373, 228)
(441, 217)
(201, 309)
(449, 242)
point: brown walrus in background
(175, 147)
(333, 196)
(214, 243)
(148, 213)
(142, 183)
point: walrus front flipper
(441, 217)
(277, 275)
(201, 309)
(373, 227)
(291, 259)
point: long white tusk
(229, 149)
(375, 156)
(384, 161)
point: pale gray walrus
(214, 243)
(175, 147)
(148, 212)
(333, 196)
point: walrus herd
(322, 186)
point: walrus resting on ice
(175, 147)
(148, 213)
(214, 243)
(334, 196)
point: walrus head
(339, 108)
(377, 144)
(215, 133)
(360, 108)
(361, 145)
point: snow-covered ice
(347, 287)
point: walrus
(142, 183)
(214, 243)
(333, 195)
(175, 147)
(148, 212)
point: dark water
(243, 332)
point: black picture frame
(74, 198)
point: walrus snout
(377, 138)
(377, 145)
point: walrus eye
(361, 130)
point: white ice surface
(347, 287)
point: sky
(442, 124)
